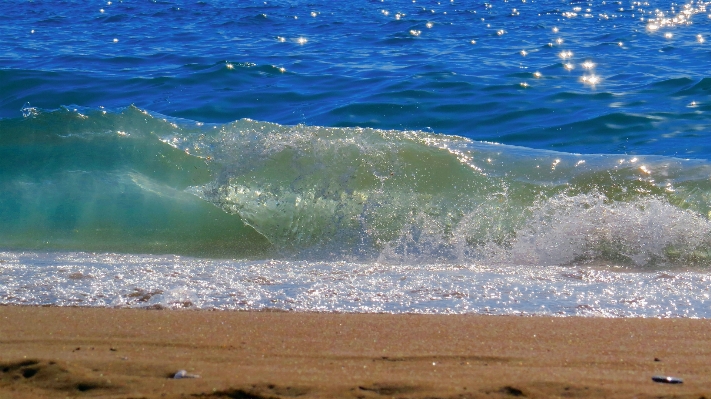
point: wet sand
(52, 352)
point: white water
(111, 280)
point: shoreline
(48, 352)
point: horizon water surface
(512, 157)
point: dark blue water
(381, 64)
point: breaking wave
(133, 181)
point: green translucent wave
(105, 182)
(131, 181)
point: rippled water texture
(590, 77)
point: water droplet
(28, 110)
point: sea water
(504, 157)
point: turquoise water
(392, 137)
(140, 183)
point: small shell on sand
(184, 374)
(667, 379)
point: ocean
(516, 157)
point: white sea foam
(140, 281)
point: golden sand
(53, 352)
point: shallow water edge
(174, 282)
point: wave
(133, 181)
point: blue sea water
(506, 157)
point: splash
(134, 181)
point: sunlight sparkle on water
(591, 79)
(674, 18)
(111, 280)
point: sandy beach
(51, 352)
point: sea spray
(130, 180)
